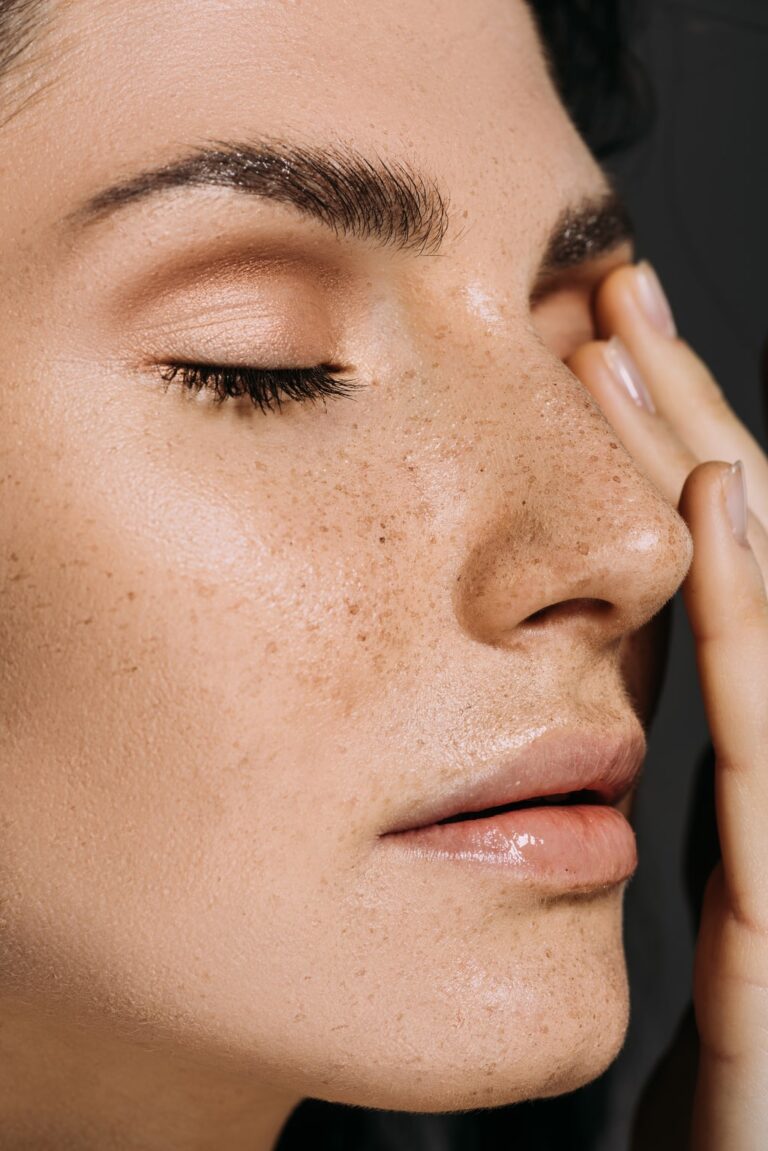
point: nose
(571, 530)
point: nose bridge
(568, 518)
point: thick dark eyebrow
(381, 200)
(594, 227)
(386, 201)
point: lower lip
(569, 848)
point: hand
(686, 446)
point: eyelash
(268, 388)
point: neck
(65, 1084)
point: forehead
(460, 90)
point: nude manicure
(653, 300)
(736, 500)
(627, 374)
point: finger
(725, 598)
(616, 382)
(630, 303)
(621, 393)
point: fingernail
(736, 500)
(653, 300)
(627, 374)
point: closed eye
(267, 388)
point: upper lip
(606, 765)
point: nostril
(565, 609)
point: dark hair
(18, 22)
(609, 99)
(600, 80)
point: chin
(529, 1006)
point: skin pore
(238, 646)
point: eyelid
(564, 318)
(569, 280)
(242, 330)
(210, 240)
(278, 316)
(587, 274)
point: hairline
(20, 25)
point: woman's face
(241, 646)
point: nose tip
(595, 547)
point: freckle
(130, 595)
(362, 636)
(382, 539)
(616, 479)
(271, 647)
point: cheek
(186, 667)
(202, 690)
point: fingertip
(703, 499)
(587, 359)
(632, 299)
(725, 585)
(718, 488)
(615, 301)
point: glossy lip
(607, 765)
(555, 848)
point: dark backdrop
(697, 186)
(698, 190)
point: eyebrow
(382, 200)
(593, 227)
(386, 201)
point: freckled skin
(236, 647)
